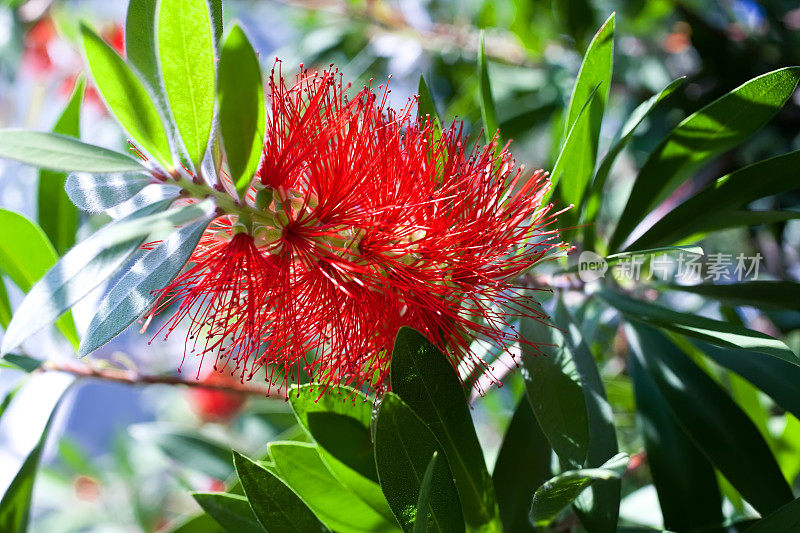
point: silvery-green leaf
(97, 192)
(155, 192)
(90, 263)
(134, 292)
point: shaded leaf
(522, 465)
(275, 505)
(713, 207)
(760, 294)
(787, 518)
(716, 332)
(55, 213)
(554, 389)
(403, 448)
(717, 127)
(422, 376)
(491, 127)
(188, 448)
(684, 478)
(231, 511)
(713, 421)
(62, 153)
(560, 491)
(424, 500)
(241, 107)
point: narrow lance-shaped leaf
(592, 86)
(25, 255)
(300, 466)
(719, 126)
(711, 418)
(716, 332)
(90, 263)
(16, 502)
(140, 40)
(423, 502)
(275, 505)
(598, 506)
(62, 153)
(186, 55)
(491, 127)
(97, 192)
(787, 518)
(57, 216)
(339, 422)
(560, 491)
(424, 378)
(403, 448)
(5, 306)
(554, 389)
(231, 511)
(592, 201)
(684, 478)
(761, 294)
(524, 450)
(241, 107)
(136, 291)
(732, 191)
(126, 97)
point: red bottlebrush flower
(363, 221)
(216, 405)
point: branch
(131, 377)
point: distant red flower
(366, 221)
(216, 405)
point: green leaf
(684, 478)
(62, 153)
(563, 489)
(423, 377)
(720, 126)
(597, 507)
(522, 465)
(201, 523)
(339, 422)
(5, 305)
(426, 107)
(241, 107)
(760, 294)
(403, 448)
(275, 505)
(424, 500)
(775, 376)
(716, 332)
(554, 390)
(90, 263)
(490, 125)
(592, 203)
(25, 255)
(301, 467)
(55, 213)
(591, 89)
(151, 194)
(787, 518)
(714, 206)
(712, 419)
(189, 449)
(135, 291)
(16, 503)
(126, 97)
(186, 55)
(231, 511)
(140, 40)
(97, 192)
(21, 362)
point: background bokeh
(121, 458)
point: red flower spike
(365, 222)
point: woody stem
(131, 377)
